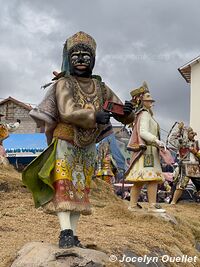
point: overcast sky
(137, 40)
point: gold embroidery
(88, 174)
(64, 131)
(94, 100)
(3, 131)
(62, 170)
(81, 37)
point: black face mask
(81, 61)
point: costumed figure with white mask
(74, 120)
(145, 166)
(182, 140)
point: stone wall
(12, 112)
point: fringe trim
(52, 208)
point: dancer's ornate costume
(74, 120)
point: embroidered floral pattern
(72, 176)
(145, 175)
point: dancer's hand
(102, 117)
(128, 108)
(160, 144)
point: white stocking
(64, 219)
(74, 221)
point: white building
(191, 73)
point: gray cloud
(137, 40)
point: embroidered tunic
(68, 112)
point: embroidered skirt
(147, 168)
(71, 177)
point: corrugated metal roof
(25, 141)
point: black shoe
(77, 242)
(66, 239)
